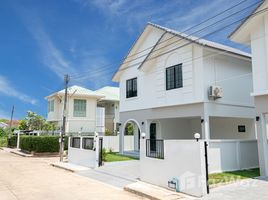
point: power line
(192, 27)
(190, 60)
(192, 41)
(109, 65)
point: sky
(40, 41)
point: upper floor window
(131, 87)
(51, 105)
(174, 77)
(80, 108)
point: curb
(60, 167)
(141, 194)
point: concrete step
(154, 192)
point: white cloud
(51, 55)
(8, 90)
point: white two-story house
(253, 31)
(86, 109)
(172, 86)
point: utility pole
(11, 121)
(66, 81)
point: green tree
(49, 126)
(34, 121)
(129, 129)
(3, 133)
(23, 125)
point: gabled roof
(204, 42)
(246, 19)
(77, 91)
(109, 93)
(196, 40)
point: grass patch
(226, 177)
(114, 157)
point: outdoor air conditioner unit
(215, 92)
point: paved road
(32, 178)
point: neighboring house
(84, 115)
(111, 104)
(3, 125)
(181, 85)
(253, 31)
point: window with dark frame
(75, 142)
(241, 128)
(88, 143)
(131, 88)
(174, 77)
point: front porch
(232, 143)
(171, 149)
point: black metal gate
(100, 151)
(206, 160)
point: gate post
(97, 149)
(18, 140)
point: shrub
(3, 141)
(12, 141)
(108, 132)
(40, 144)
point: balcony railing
(155, 148)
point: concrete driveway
(245, 190)
(33, 178)
(118, 174)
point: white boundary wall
(112, 142)
(80, 156)
(183, 160)
(87, 158)
(230, 155)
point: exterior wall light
(143, 135)
(96, 134)
(257, 118)
(197, 136)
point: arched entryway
(131, 137)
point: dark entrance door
(139, 145)
(153, 137)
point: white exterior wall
(56, 115)
(183, 160)
(152, 80)
(259, 49)
(83, 124)
(177, 128)
(75, 124)
(230, 155)
(233, 74)
(227, 128)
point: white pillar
(262, 145)
(205, 128)
(121, 140)
(81, 142)
(18, 140)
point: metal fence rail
(155, 148)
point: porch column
(262, 144)
(205, 128)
